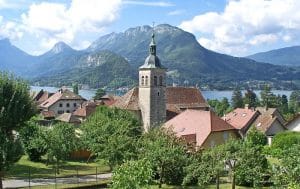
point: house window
(68, 105)
(60, 105)
(143, 78)
(60, 112)
(155, 80)
(68, 111)
(225, 135)
(157, 93)
(160, 81)
(146, 81)
(74, 104)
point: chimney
(247, 106)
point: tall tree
(268, 99)
(99, 93)
(75, 88)
(34, 140)
(112, 134)
(61, 142)
(166, 153)
(295, 101)
(16, 107)
(250, 98)
(237, 99)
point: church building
(152, 101)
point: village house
(201, 129)
(152, 101)
(242, 119)
(63, 101)
(267, 120)
(294, 124)
(41, 96)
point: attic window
(244, 114)
(157, 93)
(182, 129)
(259, 124)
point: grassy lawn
(100, 184)
(40, 170)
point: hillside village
(182, 111)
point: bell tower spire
(152, 89)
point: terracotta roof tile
(48, 114)
(241, 118)
(62, 94)
(198, 122)
(69, 118)
(87, 109)
(178, 99)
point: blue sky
(235, 27)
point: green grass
(222, 186)
(41, 170)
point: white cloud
(145, 3)
(10, 30)
(7, 5)
(246, 23)
(53, 22)
(176, 12)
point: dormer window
(155, 80)
(143, 80)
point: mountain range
(289, 56)
(113, 61)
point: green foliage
(255, 138)
(111, 134)
(75, 88)
(237, 99)
(15, 102)
(61, 142)
(285, 140)
(133, 175)
(166, 153)
(294, 102)
(10, 152)
(220, 107)
(16, 108)
(287, 171)
(33, 137)
(268, 99)
(99, 93)
(250, 98)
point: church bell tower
(152, 89)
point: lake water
(88, 94)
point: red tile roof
(87, 109)
(241, 118)
(178, 99)
(69, 118)
(62, 94)
(198, 122)
(48, 114)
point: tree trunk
(233, 180)
(161, 176)
(1, 175)
(57, 166)
(218, 180)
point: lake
(88, 94)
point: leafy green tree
(237, 99)
(112, 134)
(255, 138)
(205, 167)
(61, 142)
(286, 172)
(268, 99)
(220, 107)
(76, 88)
(16, 108)
(285, 140)
(33, 138)
(250, 98)
(294, 103)
(133, 175)
(99, 93)
(166, 153)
